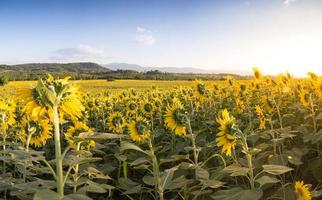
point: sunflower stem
(59, 161)
(156, 172)
(193, 141)
(249, 162)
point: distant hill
(31, 71)
(112, 71)
(127, 66)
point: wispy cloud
(81, 52)
(144, 36)
(287, 3)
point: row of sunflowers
(231, 139)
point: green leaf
(238, 194)
(179, 182)
(92, 187)
(129, 186)
(202, 174)
(139, 161)
(130, 146)
(236, 170)
(316, 193)
(46, 194)
(276, 169)
(167, 176)
(102, 136)
(76, 197)
(213, 183)
(266, 180)
(149, 180)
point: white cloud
(81, 52)
(144, 37)
(288, 2)
(140, 29)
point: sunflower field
(223, 140)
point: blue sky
(226, 35)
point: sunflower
(42, 131)
(267, 104)
(76, 130)
(240, 106)
(257, 73)
(147, 108)
(230, 80)
(7, 113)
(302, 191)
(318, 88)
(116, 122)
(131, 107)
(139, 129)
(174, 118)
(226, 137)
(312, 75)
(201, 90)
(49, 93)
(304, 98)
(261, 116)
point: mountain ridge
(194, 70)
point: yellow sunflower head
(257, 73)
(78, 129)
(116, 122)
(226, 139)
(41, 131)
(132, 107)
(147, 108)
(175, 119)
(261, 116)
(302, 191)
(139, 129)
(7, 113)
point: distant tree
(4, 79)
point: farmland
(142, 139)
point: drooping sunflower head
(52, 92)
(230, 80)
(226, 138)
(79, 129)
(200, 89)
(261, 116)
(312, 75)
(175, 118)
(139, 129)
(267, 104)
(318, 88)
(257, 73)
(240, 105)
(302, 191)
(304, 98)
(116, 122)
(147, 108)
